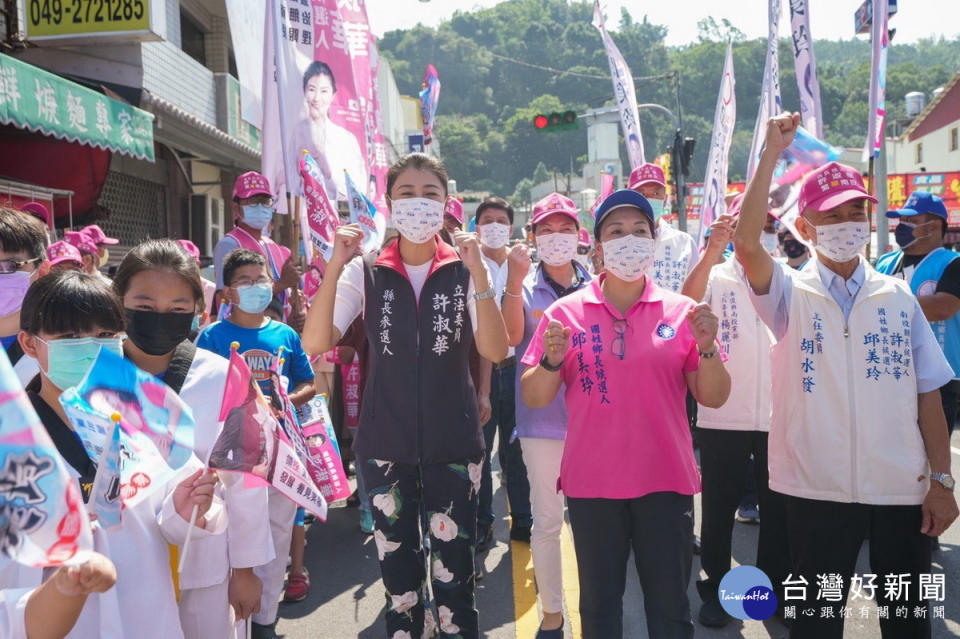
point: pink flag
(322, 219)
(429, 97)
(42, 517)
(251, 441)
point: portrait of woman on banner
(333, 147)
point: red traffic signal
(556, 121)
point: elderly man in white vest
(858, 441)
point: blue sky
(830, 19)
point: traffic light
(565, 121)
(683, 148)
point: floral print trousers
(410, 502)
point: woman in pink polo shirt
(627, 351)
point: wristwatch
(488, 294)
(545, 363)
(711, 354)
(944, 479)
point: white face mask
(557, 249)
(417, 219)
(629, 257)
(494, 235)
(842, 242)
(769, 242)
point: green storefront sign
(39, 101)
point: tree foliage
(490, 93)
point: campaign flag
(429, 97)
(807, 149)
(320, 94)
(806, 67)
(770, 104)
(724, 119)
(623, 92)
(326, 466)
(246, 20)
(105, 496)
(879, 38)
(42, 518)
(251, 441)
(322, 218)
(156, 426)
(364, 213)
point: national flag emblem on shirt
(666, 331)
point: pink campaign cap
(81, 241)
(97, 236)
(646, 173)
(830, 186)
(554, 203)
(454, 209)
(62, 251)
(38, 211)
(584, 237)
(190, 248)
(250, 184)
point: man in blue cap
(933, 273)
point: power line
(647, 78)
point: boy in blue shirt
(249, 287)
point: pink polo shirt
(627, 432)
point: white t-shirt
(498, 277)
(350, 292)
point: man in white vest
(729, 435)
(858, 442)
(676, 253)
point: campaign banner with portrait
(320, 439)
(320, 96)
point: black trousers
(724, 458)
(659, 529)
(950, 398)
(825, 537)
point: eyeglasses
(265, 200)
(12, 266)
(619, 345)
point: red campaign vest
(276, 255)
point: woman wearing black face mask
(159, 285)
(795, 251)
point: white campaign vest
(746, 341)
(845, 417)
(674, 257)
(246, 542)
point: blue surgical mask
(257, 216)
(70, 359)
(254, 298)
(195, 324)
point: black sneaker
(520, 533)
(485, 539)
(712, 614)
(259, 631)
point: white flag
(623, 92)
(715, 179)
(806, 68)
(770, 92)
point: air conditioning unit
(207, 222)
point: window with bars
(138, 209)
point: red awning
(47, 161)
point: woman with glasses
(626, 351)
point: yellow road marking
(524, 591)
(571, 581)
